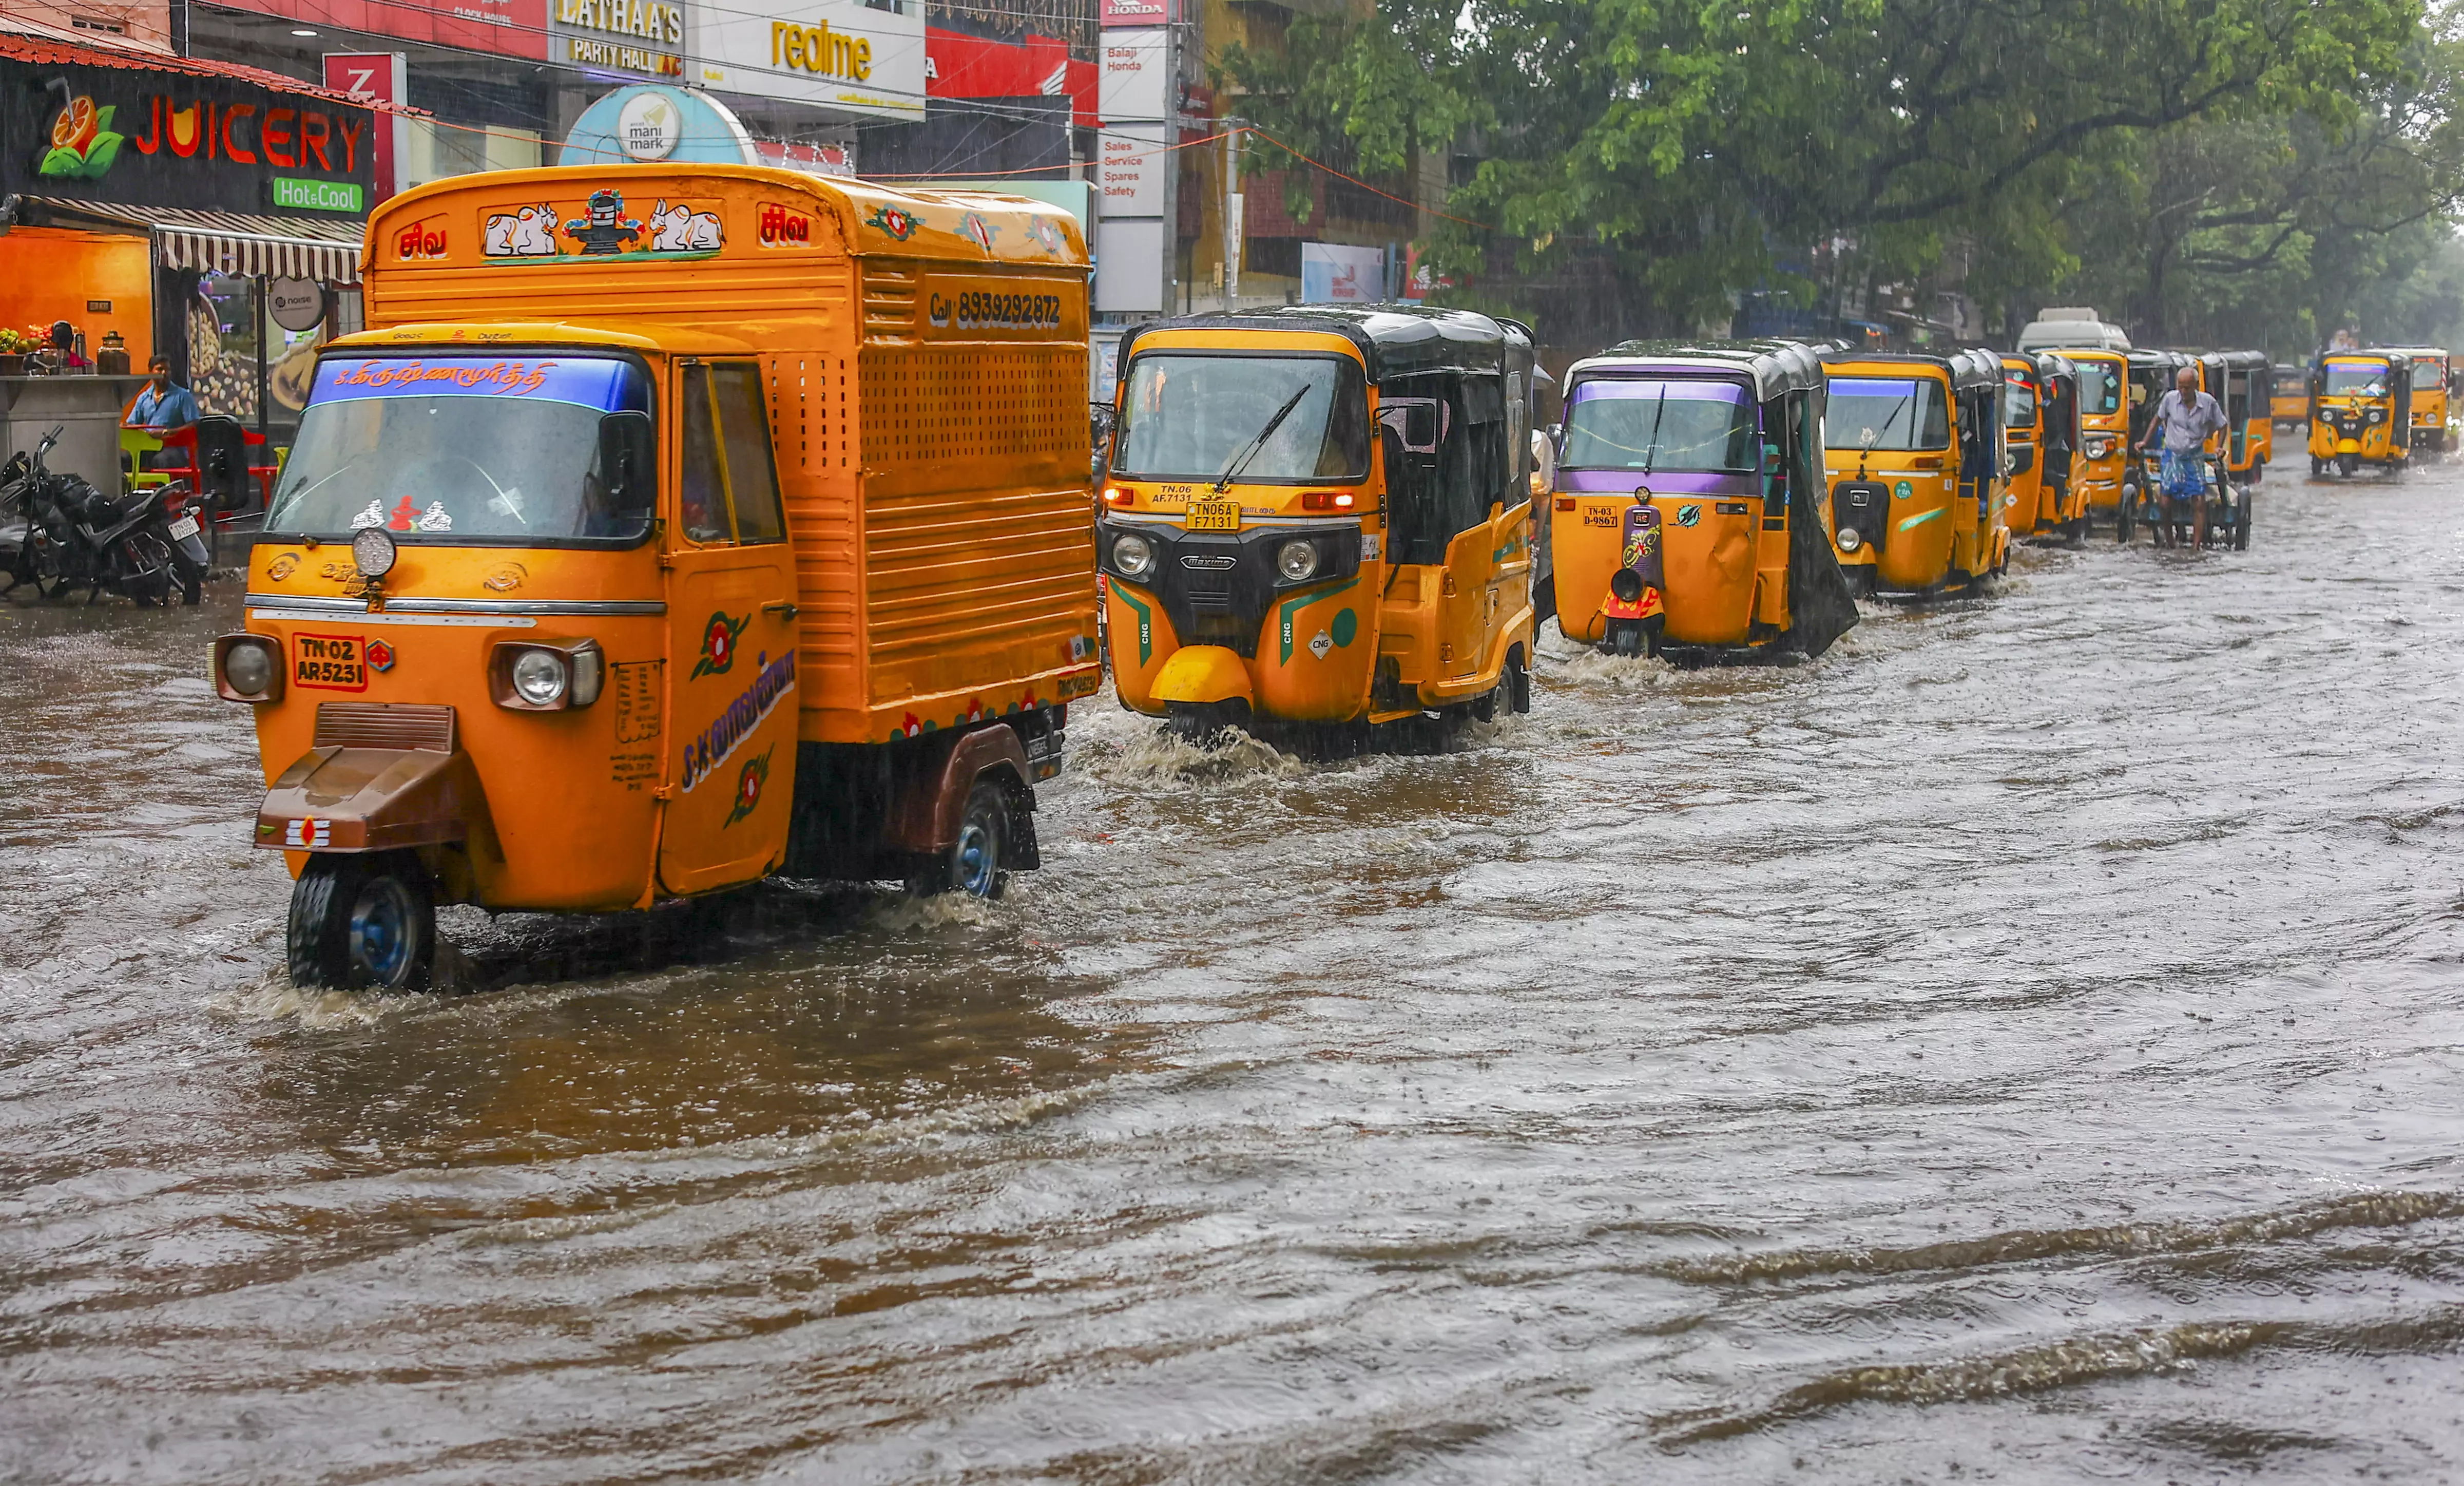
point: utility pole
(1232, 211)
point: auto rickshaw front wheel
(362, 922)
(2348, 465)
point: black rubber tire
(1624, 637)
(362, 923)
(2348, 465)
(1203, 724)
(2241, 523)
(2125, 515)
(1518, 682)
(2318, 467)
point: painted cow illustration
(527, 233)
(680, 228)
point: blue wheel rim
(975, 860)
(380, 931)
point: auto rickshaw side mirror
(628, 464)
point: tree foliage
(1635, 162)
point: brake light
(1326, 501)
(1565, 502)
(1116, 495)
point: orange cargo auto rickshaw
(672, 528)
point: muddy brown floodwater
(2022, 1046)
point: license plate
(183, 528)
(329, 662)
(1214, 515)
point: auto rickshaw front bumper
(348, 799)
(1203, 674)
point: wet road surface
(2022, 1046)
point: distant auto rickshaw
(2248, 398)
(1317, 522)
(2433, 376)
(2041, 413)
(2288, 396)
(1688, 514)
(1917, 462)
(2105, 424)
(2360, 412)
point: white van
(2072, 328)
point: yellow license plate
(1214, 515)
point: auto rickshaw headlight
(248, 668)
(534, 677)
(1849, 541)
(1132, 555)
(2378, 415)
(1626, 585)
(1297, 560)
(539, 678)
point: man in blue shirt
(164, 405)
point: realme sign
(819, 49)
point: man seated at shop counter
(163, 405)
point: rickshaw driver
(2186, 416)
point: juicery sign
(164, 138)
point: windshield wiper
(1249, 451)
(1651, 445)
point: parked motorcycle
(61, 533)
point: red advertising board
(958, 65)
(509, 28)
(1138, 12)
(377, 76)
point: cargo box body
(924, 357)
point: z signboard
(163, 139)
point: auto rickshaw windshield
(453, 448)
(2356, 380)
(1655, 427)
(2100, 387)
(2019, 409)
(1190, 417)
(1898, 412)
(2428, 369)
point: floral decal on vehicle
(978, 229)
(896, 223)
(718, 645)
(1047, 236)
(749, 781)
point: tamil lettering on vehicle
(772, 681)
(329, 662)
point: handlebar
(50, 438)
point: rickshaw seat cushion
(1204, 674)
(375, 800)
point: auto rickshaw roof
(1974, 367)
(2413, 350)
(2383, 358)
(1394, 340)
(1772, 366)
(2244, 359)
(2048, 365)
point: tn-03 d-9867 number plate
(1214, 515)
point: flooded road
(2022, 1046)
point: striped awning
(238, 242)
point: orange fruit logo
(76, 126)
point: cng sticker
(1902, 491)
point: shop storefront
(210, 212)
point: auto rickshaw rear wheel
(362, 922)
(2318, 467)
(1202, 724)
(973, 863)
